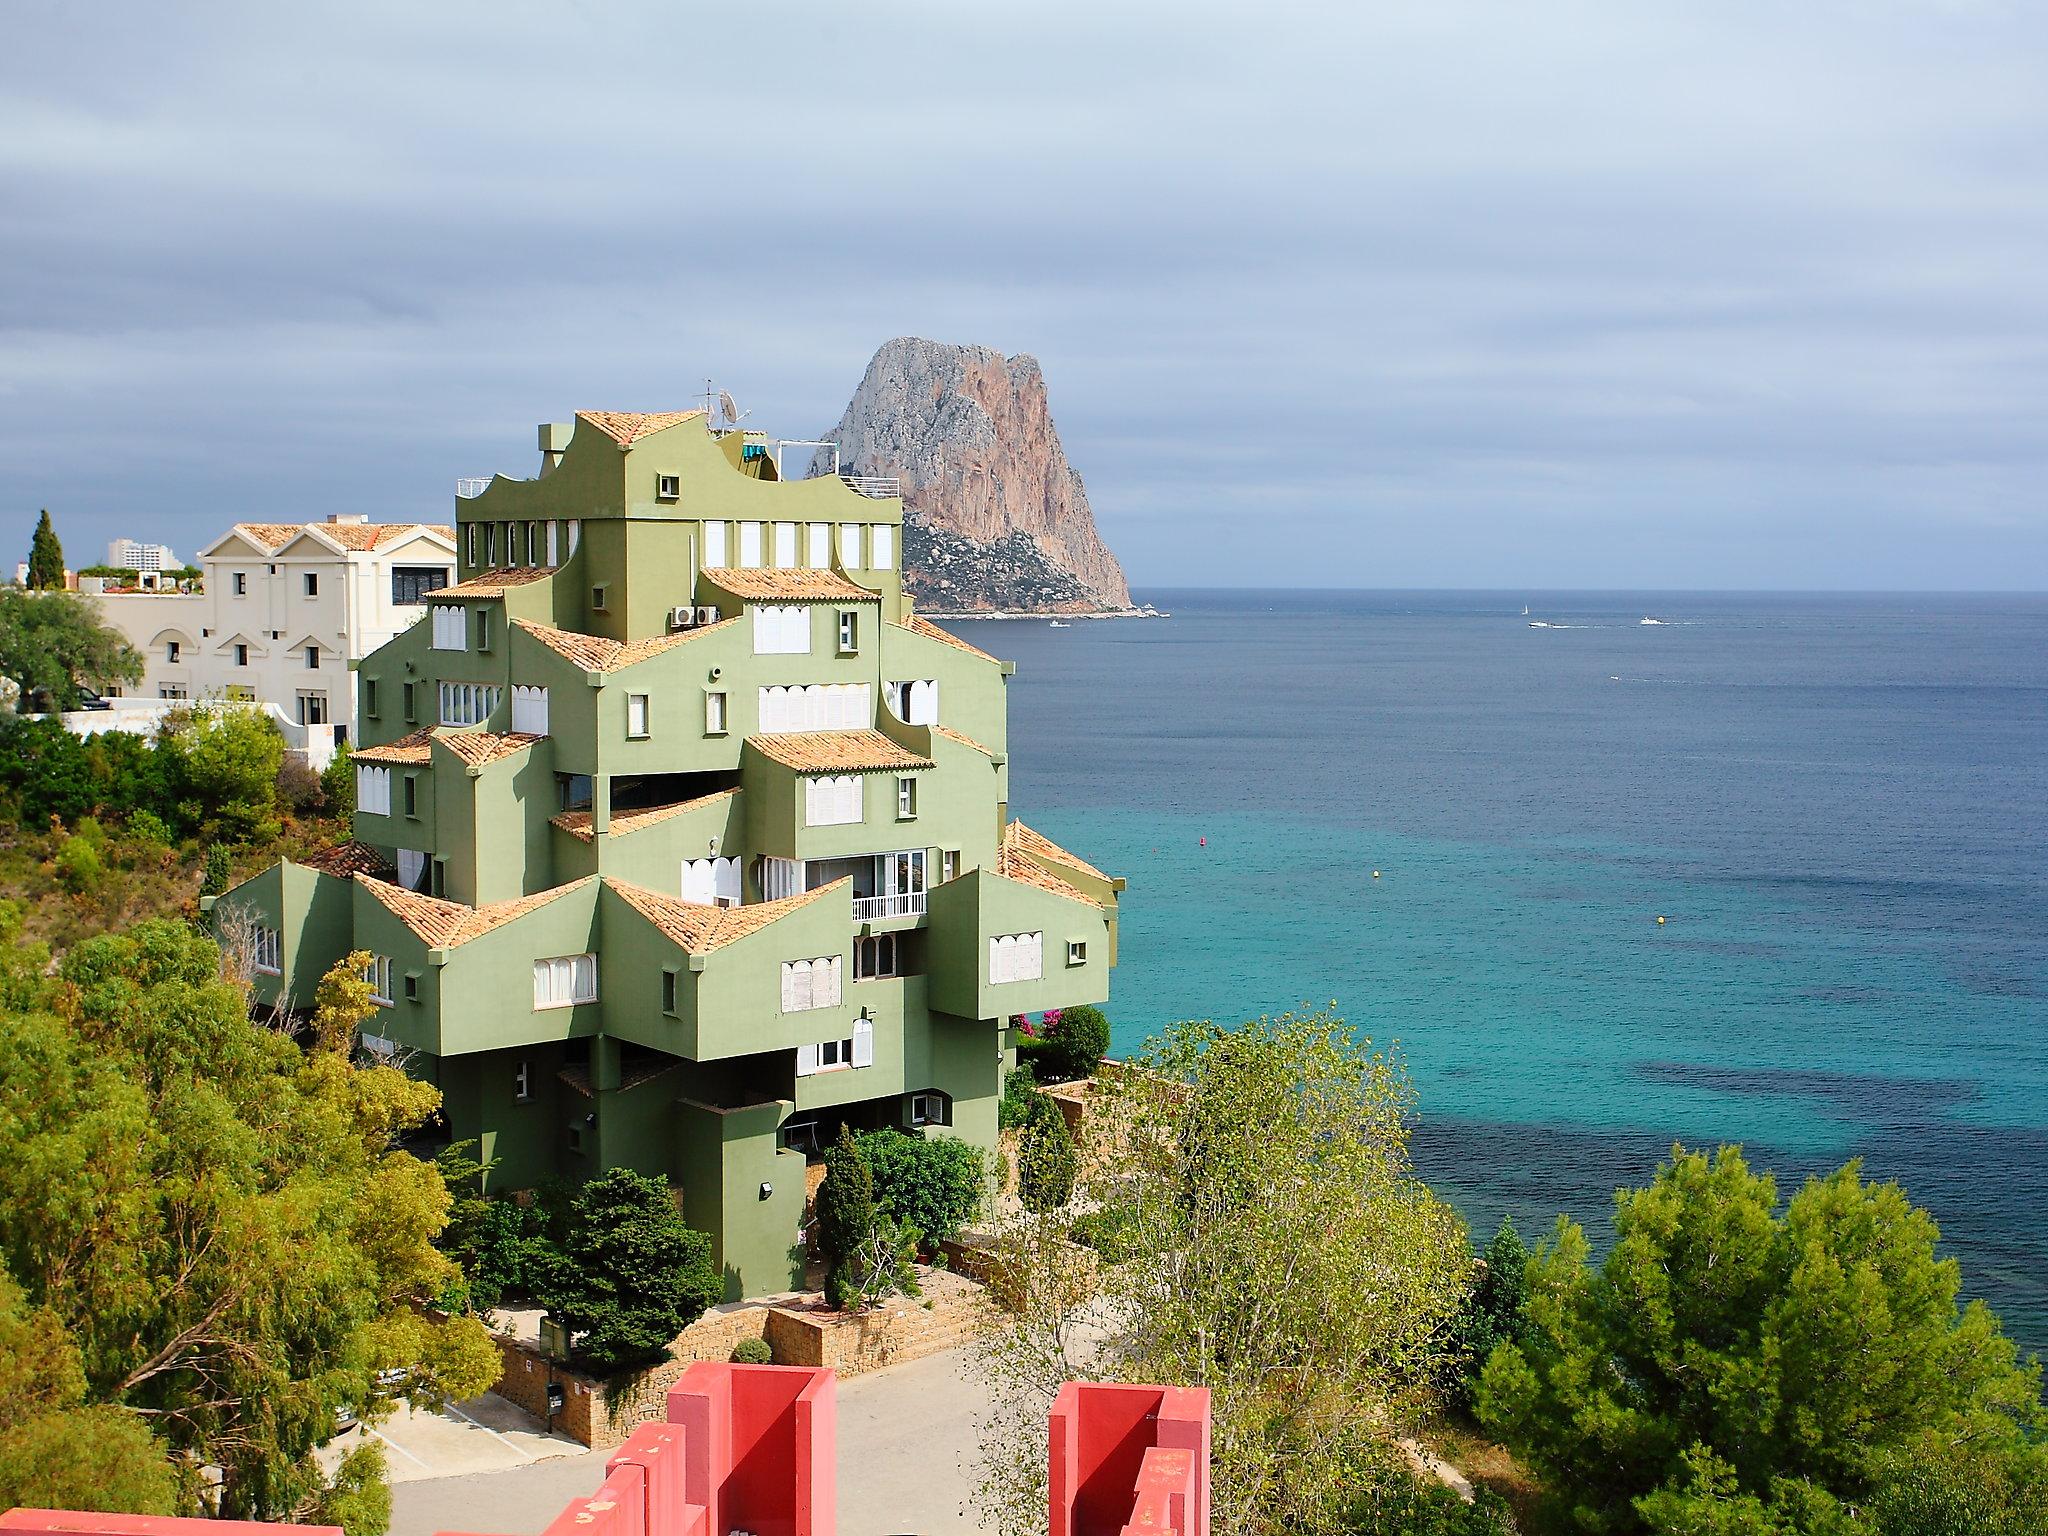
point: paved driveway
(907, 1437)
(483, 1435)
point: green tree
(45, 556)
(867, 1256)
(338, 784)
(1285, 1257)
(929, 1186)
(1493, 1311)
(1046, 1160)
(1075, 1044)
(220, 870)
(221, 771)
(1732, 1361)
(632, 1273)
(53, 645)
(215, 1227)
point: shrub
(148, 827)
(1045, 1158)
(338, 784)
(298, 786)
(1492, 1314)
(1112, 1233)
(1075, 1043)
(867, 1256)
(1019, 1089)
(507, 1250)
(753, 1352)
(78, 864)
(930, 1188)
(220, 869)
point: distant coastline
(1146, 612)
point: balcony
(472, 485)
(867, 909)
(874, 487)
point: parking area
(483, 1434)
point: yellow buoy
(1660, 917)
(1375, 874)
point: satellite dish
(728, 408)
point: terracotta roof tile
(700, 929)
(477, 748)
(627, 427)
(796, 586)
(932, 631)
(965, 740)
(836, 751)
(594, 653)
(444, 924)
(410, 748)
(494, 583)
(1011, 864)
(577, 823)
(349, 858)
(1024, 840)
(357, 536)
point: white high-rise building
(133, 555)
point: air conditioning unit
(682, 617)
(707, 615)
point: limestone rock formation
(997, 518)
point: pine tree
(45, 556)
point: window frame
(717, 712)
(576, 971)
(644, 704)
(906, 797)
(310, 584)
(849, 631)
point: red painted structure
(1128, 1458)
(749, 1448)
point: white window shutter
(821, 546)
(924, 702)
(725, 881)
(882, 546)
(806, 1060)
(863, 1041)
(750, 546)
(697, 882)
(714, 544)
(785, 545)
(1031, 952)
(825, 982)
(849, 545)
(411, 862)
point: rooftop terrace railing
(875, 486)
(472, 485)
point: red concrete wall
(1122, 1456)
(751, 1448)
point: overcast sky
(1667, 293)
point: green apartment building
(681, 840)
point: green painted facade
(677, 731)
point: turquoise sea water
(1840, 805)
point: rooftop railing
(472, 485)
(875, 486)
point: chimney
(348, 517)
(554, 441)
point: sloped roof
(444, 924)
(794, 586)
(477, 748)
(931, 631)
(494, 583)
(577, 823)
(700, 929)
(350, 858)
(594, 653)
(1020, 837)
(627, 427)
(412, 747)
(865, 751)
(272, 537)
(1011, 864)
(965, 740)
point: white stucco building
(132, 555)
(286, 608)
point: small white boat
(1060, 624)
(1647, 620)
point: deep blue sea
(1840, 803)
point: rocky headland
(995, 518)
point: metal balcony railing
(875, 486)
(868, 908)
(472, 486)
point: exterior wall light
(767, 1190)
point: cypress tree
(45, 556)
